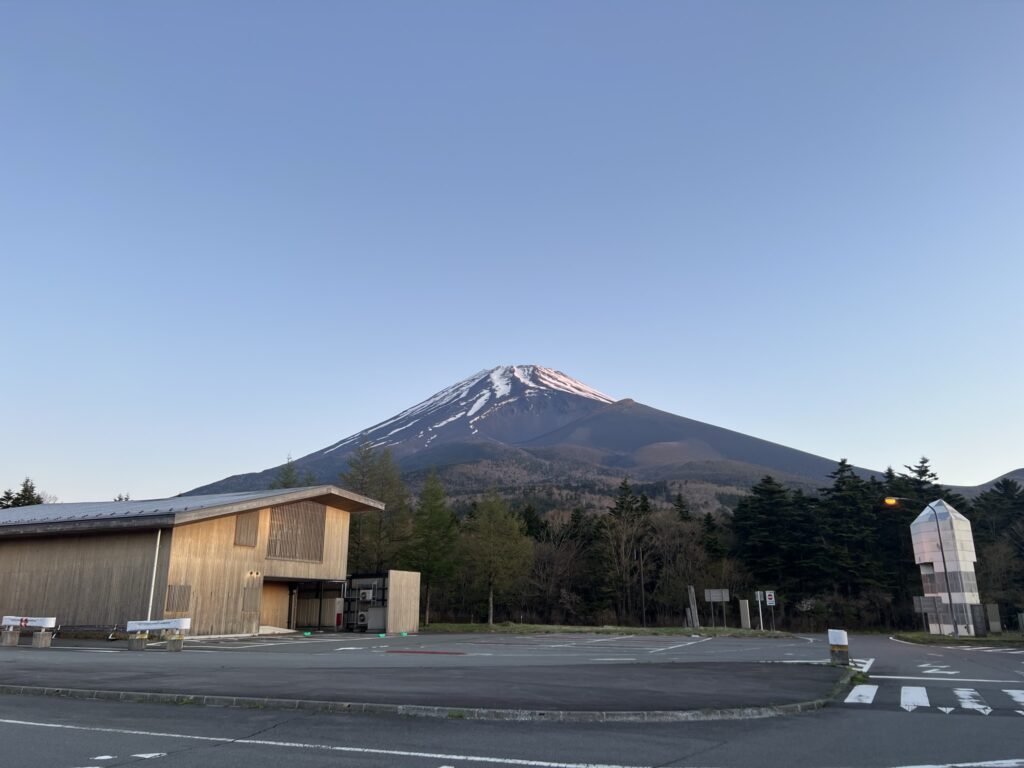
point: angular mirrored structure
(944, 551)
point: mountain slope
(519, 427)
(473, 419)
(632, 435)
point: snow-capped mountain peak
(480, 406)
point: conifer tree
(496, 549)
(432, 544)
(287, 476)
(682, 508)
(376, 538)
(26, 496)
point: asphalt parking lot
(557, 672)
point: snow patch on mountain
(472, 400)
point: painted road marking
(912, 697)
(607, 639)
(150, 755)
(615, 659)
(1017, 696)
(317, 747)
(985, 764)
(932, 679)
(432, 653)
(971, 699)
(862, 665)
(862, 694)
(681, 645)
(104, 757)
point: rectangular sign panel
(29, 621)
(716, 595)
(769, 596)
(182, 625)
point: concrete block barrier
(14, 624)
(42, 639)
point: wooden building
(231, 562)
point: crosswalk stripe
(971, 699)
(912, 697)
(862, 694)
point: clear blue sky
(236, 230)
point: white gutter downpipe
(152, 580)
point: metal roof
(941, 509)
(174, 510)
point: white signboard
(29, 621)
(182, 625)
(769, 597)
(716, 595)
(838, 637)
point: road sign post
(716, 596)
(769, 598)
(760, 618)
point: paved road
(61, 733)
(546, 672)
(953, 679)
(879, 733)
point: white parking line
(318, 747)
(606, 639)
(985, 764)
(681, 645)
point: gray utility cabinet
(381, 603)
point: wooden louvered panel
(297, 532)
(247, 528)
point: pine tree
(846, 516)
(26, 496)
(536, 527)
(709, 538)
(287, 476)
(496, 550)
(760, 521)
(432, 545)
(682, 508)
(376, 538)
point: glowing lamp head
(892, 501)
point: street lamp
(894, 501)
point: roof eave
(331, 495)
(100, 525)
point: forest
(840, 556)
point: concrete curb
(417, 710)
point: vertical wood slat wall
(205, 557)
(403, 601)
(98, 579)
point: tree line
(837, 557)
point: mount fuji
(526, 426)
